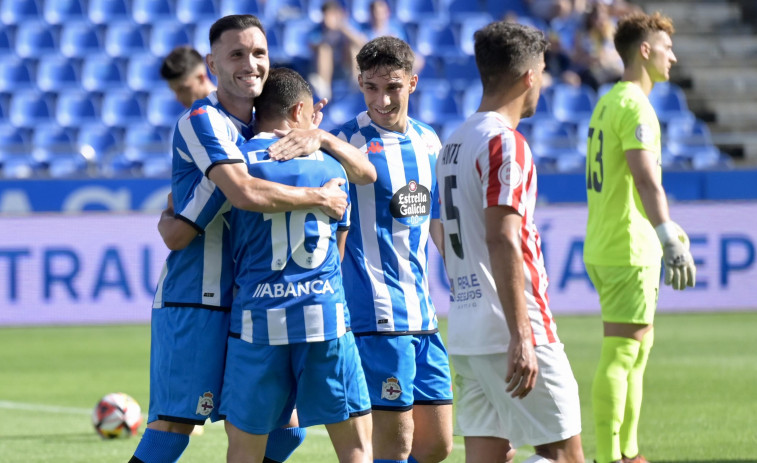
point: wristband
(667, 232)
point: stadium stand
(91, 68)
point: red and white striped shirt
(485, 163)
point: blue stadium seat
(125, 38)
(418, 11)
(167, 35)
(471, 99)
(76, 109)
(97, 140)
(13, 138)
(526, 128)
(281, 11)
(53, 137)
(499, 8)
(549, 139)
(145, 136)
(100, 73)
(191, 11)
(163, 110)
(689, 131)
(461, 72)
(122, 108)
(7, 46)
(570, 162)
(58, 74)
(449, 126)
(461, 10)
(534, 22)
(710, 157)
(19, 11)
(156, 165)
(437, 39)
(339, 112)
(30, 108)
(16, 166)
(200, 39)
(295, 38)
(228, 7)
(543, 109)
(436, 106)
(604, 88)
(108, 11)
(35, 39)
(79, 39)
(143, 72)
(55, 152)
(468, 26)
(66, 165)
(151, 11)
(572, 104)
(15, 74)
(360, 10)
(276, 51)
(669, 102)
(63, 11)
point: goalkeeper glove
(679, 265)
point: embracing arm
(436, 230)
(503, 225)
(176, 233)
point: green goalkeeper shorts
(627, 294)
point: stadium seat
(79, 39)
(549, 139)
(101, 73)
(157, 165)
(543, 109)
(6, 42)
(191, 11)
(58, 74)
(163, 110)
(151, 11)
(18, 11)
(437, 39)
(295, 38)
(121, 109)
(499, 8)
(710, 157)
(201, 39)
(53, 137)
(282, 11)
(66, 165)
(418, 12)
(570, 162)
(143, 72)
(125, 38)
(468, 26)
(15, 74)
(145, 136)
(97, 140)
(572, 104)
(76, 109)
(108, 11)
(167, 35)
(687, 130)
(448, 127)
(35, 39)
(228, 7)
(339, 112)
(461, 72)
(63, 11)
(437, 105)
(30, 108)
(604, 88)
(669, 102)
(471, 99)
(360, 10)
(461, 10)
(526, 128)
(16, 166)
(276, 51)
(13, 138)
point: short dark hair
(386, 52)
(180, 63)
(233, 22)
(283, 89)
(505, 50)
(635, 28)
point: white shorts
(551, 412)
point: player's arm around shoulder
(176, 233)
(503, 224)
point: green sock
(629, 443)
(609, 393)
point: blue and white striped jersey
(200, 275)
(386, 264)
(287, 272)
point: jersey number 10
(283, 239)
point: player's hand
(169, 202)
(295, 143)
(522, 367)
(317, 112)
(680, 270)
(334, 198)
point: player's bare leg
(392, 434)
(432, 437)
(171, 426)
(352, 439)
(565, 451)
(244, 447)
(480, 449)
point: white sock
(537, 459)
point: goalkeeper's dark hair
(182, 61)
(386, 53)
(636, 28)
(283, 89)
(233, 22)
(505, 51)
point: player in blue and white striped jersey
(290, 340)
(190, 315)
(386, 264)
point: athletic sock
(161, 446)
(629, 443)
(410, 459)
(609, 393)
(282, 443)
(389, 461)
(537, 459)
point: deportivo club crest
(390, 389)
(205, 404)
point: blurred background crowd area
(81, 93)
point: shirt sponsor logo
(298, 289)
(411, 204)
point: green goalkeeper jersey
(618, 231)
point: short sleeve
(210, 138)
(203, 204)
(638, 127)
(502, 170)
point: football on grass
(117, 415)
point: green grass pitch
(700, 400)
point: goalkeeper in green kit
(629, 230)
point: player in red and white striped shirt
(515, 385)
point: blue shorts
(405, 370)
(263, 383)
(187, 357)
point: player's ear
(295, 112)
(645, 48)
(529, 78)
(413, 82)
(211, 64)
